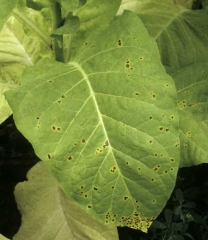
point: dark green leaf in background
(106, 124)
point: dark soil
(17, 157)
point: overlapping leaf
(47, 214)
(6, 10)
(3, 238)
(181, 34)
(106, 124)
(19, 47)
(192, 88)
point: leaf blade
(110, 123)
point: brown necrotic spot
(150, 141)
(95, 188)
(136, 93)
(89, 206)
(59, 129)
(63, 96)
(70, 158)
(83, 141)
(49, 156)
(53, 127)
(126, 198)
(161, 128)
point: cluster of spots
(108, 217)
(54, 128)
(186, 145)
(177, 143)
(106, 144)
(38, 122)
(60, 99)
(98, 151)
(156, 168)
(181, 103)
(188, 134)
(119, 42)
(158, 155)
(161, 128)
(128, 64)
(113, 169)
(136, 222)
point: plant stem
(57, 21)
(44, 37)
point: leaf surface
(19, 48)
(181, 34)
(192, 87)
(6, 10)
(48, 215)
(106, 124)
(3, 238)
(96, 12)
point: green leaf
(70, 5)
(97, 12)
(6, 10)
(3, 238)
(106, 124)
(47, 214)
(70, 26)
(181, 34)
(192, 87)
(17, 51)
